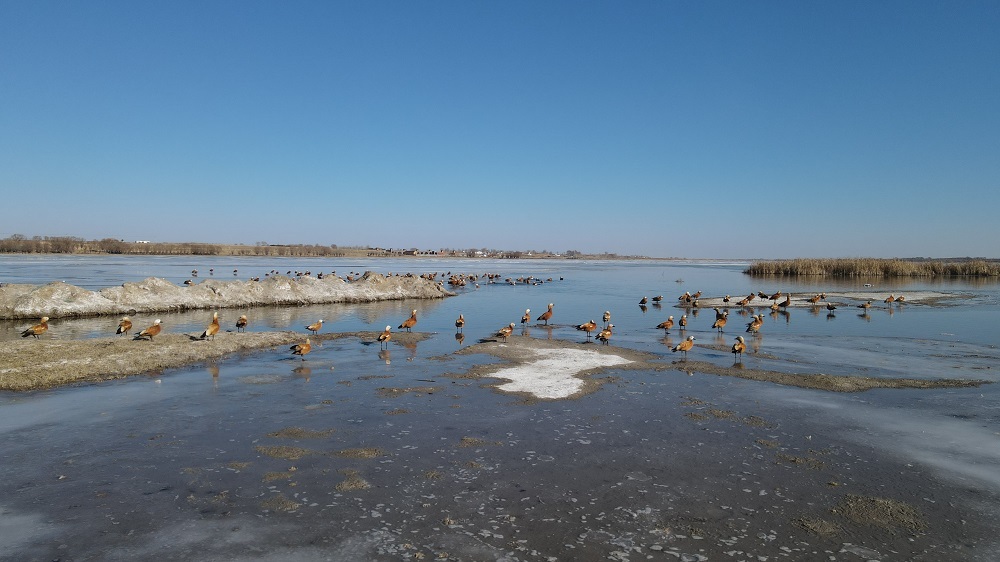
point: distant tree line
(20, 244)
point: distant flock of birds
(603, 335)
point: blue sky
(687, 129)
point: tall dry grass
(874, 267)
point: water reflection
(385, 355)
(303, 372)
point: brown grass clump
(353, 482)
(299, 433)
(874, 267)
(720, 414)
(475, 442)
(361, 453)
(821, 527)
(880, 512)
(272, 476)
(280, 503)
(283, 452)
(808, 462)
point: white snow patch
(553, 374)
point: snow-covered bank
(60, 300)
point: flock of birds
(604, 332)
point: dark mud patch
(392, 392)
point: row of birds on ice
(604, 334)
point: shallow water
(166, 464)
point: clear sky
(693, 129)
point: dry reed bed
(874, 267)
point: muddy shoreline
(38, 364)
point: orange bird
(315, 327)
(657, 299)
(865, 306)
(788, 301)
(739, 347)
(526, 318)
(505, 332)
(37, 329)
(683, 322)
(124, 326)
(385, 336)
(301, 349)
(900, 298)
(546, 315)
(644, 300)
(241, 323)
(587, 327)
(150, 331)
(891, 299)
(666, 324)
(409, 322)
(607, 317)
(776, 296)
(754, 326)
(684, 346)
(814, 299)
(460, 323)
(719, 323)
(212, 328)
(605, 334)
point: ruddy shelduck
(460, 323)
(605, 334)
(385, 336)
(124, 325)
(315, 326)
(719, 324)
(37, 329)
(301, 349)
(409, 322)
(587, 327)
(739, 347)
(666, 324)
(151, 331)
(212, 328)
(547, 315)
(241, 323)
(505, 332)
(684, 346)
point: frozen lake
(202, 462)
